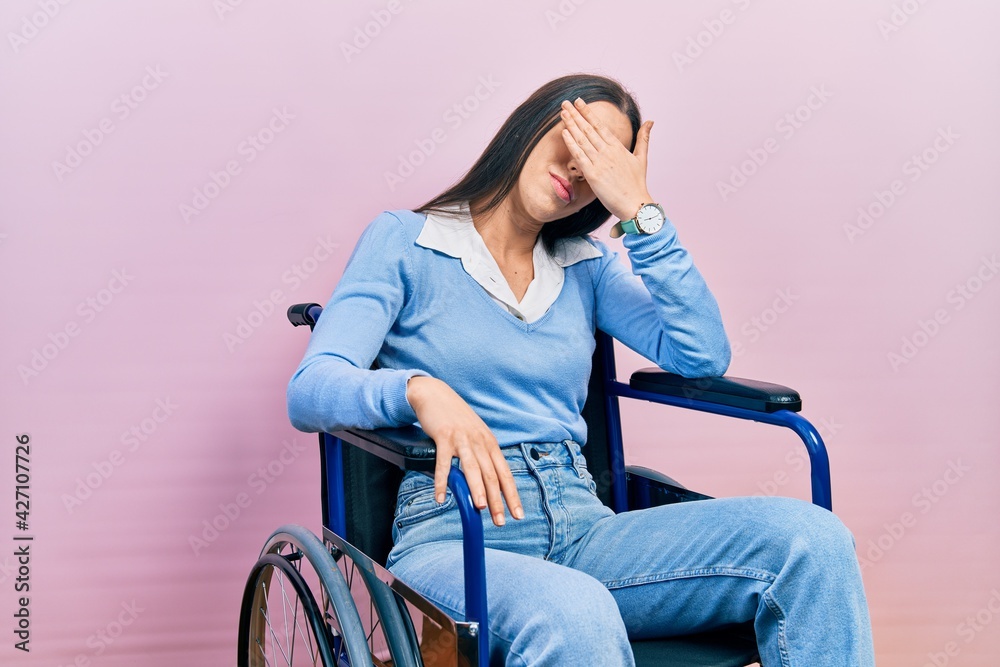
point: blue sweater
(418, 312)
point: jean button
(534, 454)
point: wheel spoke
(274, 640)
(262, 652)
(307, 638)
(295, 558)
(295, 625)
(284, 613)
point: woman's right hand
(458, 431)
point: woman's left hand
(617, 177)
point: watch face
(650, 219)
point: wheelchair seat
(359, 484)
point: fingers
(442, 467)
(642, 142)
(507, 484)
(473, 475)
(577, 126)
(467, 437)
(598, 133)
(491, 482)
(576, 151)
(592, 136)
(579, 115)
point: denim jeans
(572, 582)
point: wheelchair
(331, 602)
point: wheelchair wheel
(297, 608)
(392, 637)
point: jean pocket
(421, 505)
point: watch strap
(624, 227)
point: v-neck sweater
(417, 311)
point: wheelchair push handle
(300, 314)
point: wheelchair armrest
(649, 488)
(725, 390)
(407, 447)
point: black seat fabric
(370, 486)
(729, 647)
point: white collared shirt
(457, 236)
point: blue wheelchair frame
(752, 400)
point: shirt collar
(457, 236)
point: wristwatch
(648, 220)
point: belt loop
(524, 447)
(578, 460)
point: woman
(480, 307)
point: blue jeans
(571, 582)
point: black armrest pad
(732, 391)
(408, 447)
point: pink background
(165, 326)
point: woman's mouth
(563, 189)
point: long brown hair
(496, 171)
